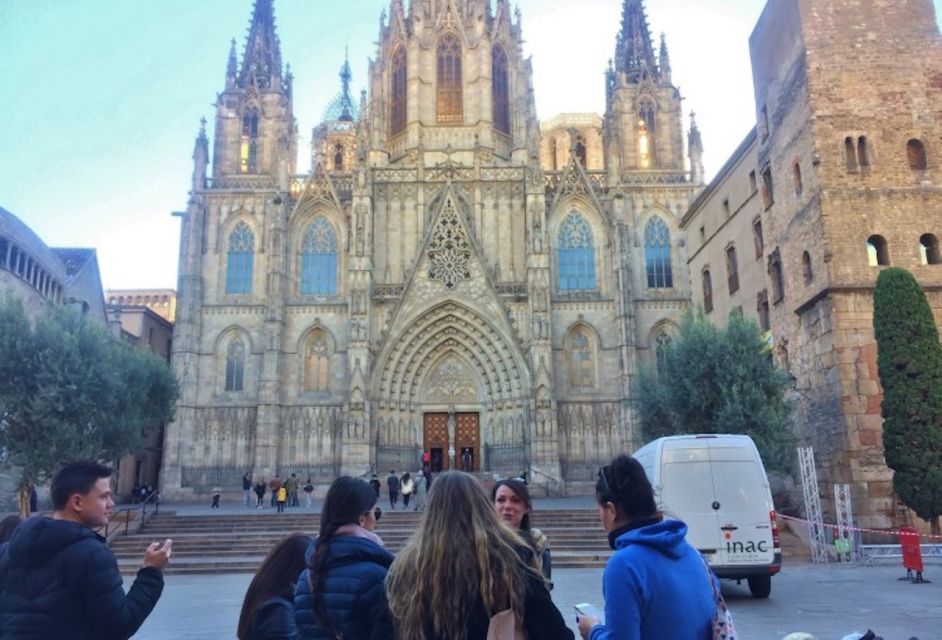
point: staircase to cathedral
(237, 543)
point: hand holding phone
(587, 616)
(157, 554)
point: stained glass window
(248, 153)
(319, 259)
(657, 254)
(450, 101)
(398, 103)
(240, 260)
(500, 89)
(576, 254)
(235, 365)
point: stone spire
(695, 151)
(200, 158)
(262, 59)
(634, 53)
(232, 68)
(346, 100)
(665, 61)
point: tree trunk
(23, 496)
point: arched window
(646, 130)
(319, 259)
(338, 157)
(929, 249)
(850, 154)
(796, 177)
(580, 150)
(317, 362)
(777, 274)
(806, 269)
(732, 269)
(581, 358)
(500, 89)
(576, 254)
(706, 280)
(240, 260)
(450, 100)
(657, 254)
(916, 154)
(662, 343)
(235, 365)
(248, 151)
(398, 101)
(878, 254)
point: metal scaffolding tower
(849, 540)
(809, 485)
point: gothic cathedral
(451, 277)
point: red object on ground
(912, 554)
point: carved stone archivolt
(455, 330)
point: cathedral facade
(448, 277)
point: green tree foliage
(719, 380)
(909, 362)
(70, 390)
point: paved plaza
(826, 601)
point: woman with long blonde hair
(464, 565)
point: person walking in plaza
(58, 579)
(274, 486)
(247, 488)
(268, 608)
(260, 493)
(392, 483)
(421, 490)
(292, 484)
(341, 593)
(406, 486)
(375, 483)
(282, 498)
(488, 569)
(512, 500)
(309, 492)
(217, 494)
(656, 585)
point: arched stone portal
(450, 381)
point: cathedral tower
(254, 117)
(643, 119)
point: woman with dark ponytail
(341, 595)
(656, 586)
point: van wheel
(760, 586)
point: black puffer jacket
(59, 580)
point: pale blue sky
(102, 98)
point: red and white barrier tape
(834, 526)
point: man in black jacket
(59, 580)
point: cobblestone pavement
(829, 602)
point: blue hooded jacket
(656, 587)
(354, 592)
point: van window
(686, 487)
(740, 487)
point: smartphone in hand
(586, 609)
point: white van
(718, 486)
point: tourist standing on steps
(268, 608)
(392, 483)
(341, 594)
(656, 585)
(487, 569)
(309, 492)
(406, 486)
(512, 500)
(58, 579)
(247, 488)
(375, 483)
(291, 484)
(421, 490)
(260, 493)
(282, 498)
(274, 485)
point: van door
(687, 493)
(744, 500)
